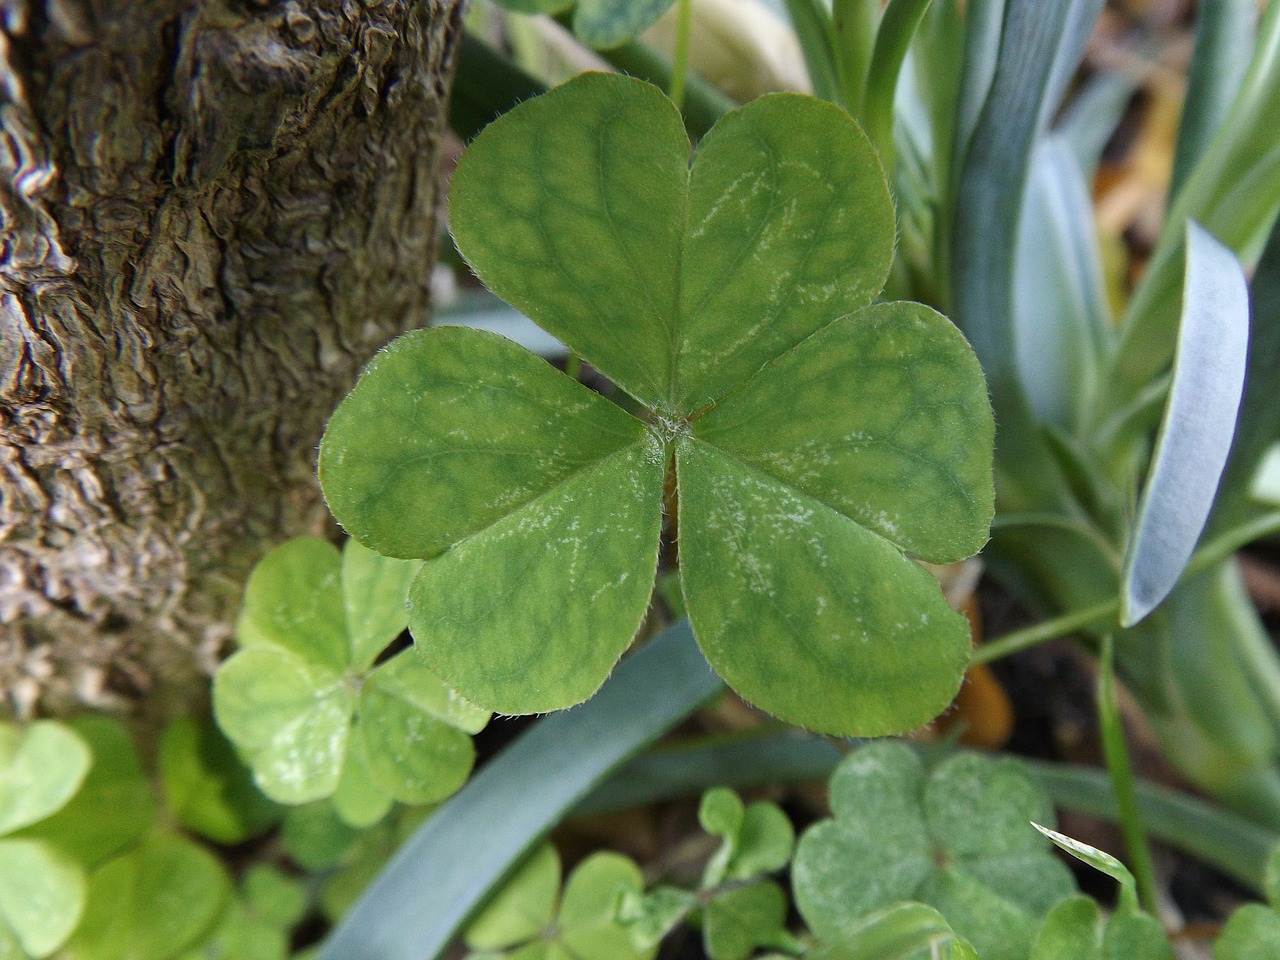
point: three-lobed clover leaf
(42, 891)
(599, 23)
(957, 838)
(815, 441)
(529, 918)
(307, 708)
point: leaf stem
(680, 58)
(1049, 629)
(1209, 555)
(1116, 753)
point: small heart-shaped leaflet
(815, 438)
(313, 624)
(957, 838)
(599, 23)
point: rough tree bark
(212, 213)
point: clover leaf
(306, 707)
(530, 919)
(758, 838)
(599, 23)
(813, 440)
(957, 839)
(41, 890)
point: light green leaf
(315, 836)
(289, 717)
(1132, 935)
(904, 931)
(41, 897)
(206, 786)
(406, 741)
(741, 919)
(1098, 859)
(114, 782)
(533, 613)
(151, 904)
(523, 906)
(273, 897)
(588, 922)
(1072, 931)
(649, 918)
(374, 592)
(1251, 933)
(41, 767)
(720, 812)
(358, 800)
(293, 601)
(956, 839)
(601, 240)
(765, 842)
(805, 613)
(882, 416)
(240, 936)
(879, 826)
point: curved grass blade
(901, 20)
(428, 890)
(812, 23)
(996, 159)
(1199, 422)
(1223, 29)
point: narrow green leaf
(815, 30)
(374, 594)
(465, 422)
(151, 904)
(293, 601)
(1224, 29)
(419, 901)
(289, 717)
(1060, 313)
(492, 617)
(806, 613)
(41, 768)
(1098, 859)
(854, 23)
(1234, 193)
(41, 897)
(1199, 422)
(898, 26)
(1011, 59)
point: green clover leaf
(958, 839)
(814, 440)
(42, 891)
(530, 919)
(599, 23)
(758, 838)
(306, 707)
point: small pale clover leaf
(957, 839)
(530, 919)
(741, 919)
(256, 923)
(152, 903)
(42, 891)
(599, 23)
(758, 838)
(815, 440)
(1076, 930)
(304, 704)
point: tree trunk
(212, 214)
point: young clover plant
(304, 703)
(42, 891)
(813, 440)
(958, 838)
